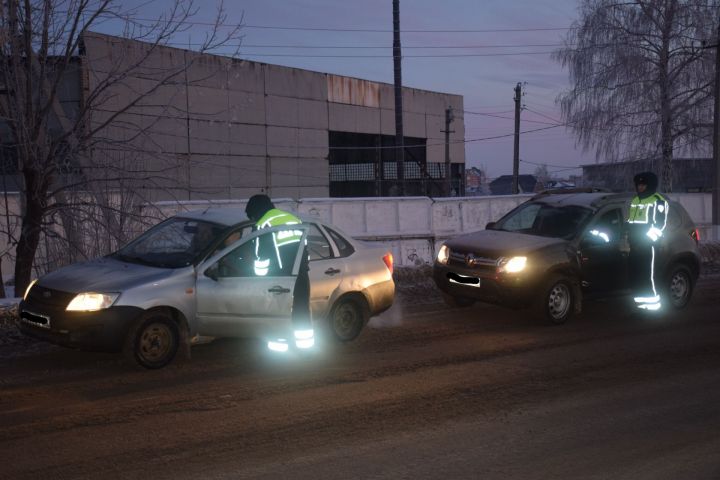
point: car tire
(347, 319)
(678, 288)
(153, 341)
(457, 302)
(557, 302)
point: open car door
(235, 298)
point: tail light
(388, 259)
(695, 234)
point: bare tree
(641, 79)
(81, 180)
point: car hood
(102, 275)
(498, 243)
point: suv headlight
(91, 301)
(443, 255)
(512, 265)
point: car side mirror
(212, 272)
(490, 225)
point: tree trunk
(30, 230)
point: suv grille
(470, 260)
(49, 298)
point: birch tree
(641, 79)
(66, 180)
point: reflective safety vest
(651, 211)
(275, 218)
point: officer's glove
(654, 233)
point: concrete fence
(412, 227)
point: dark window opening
(364, 165)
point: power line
(328, 29)
(296, 55)
(370, 47)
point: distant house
(689, 174)
(503, 184)
(475, 182)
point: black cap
(258, 205)
(649, 179)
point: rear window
(343, 245)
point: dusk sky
(529, 30)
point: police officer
(283, 247)
(647, 219)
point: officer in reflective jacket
(647, 219)
(283, 247)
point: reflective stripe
(278, 346)
(304, 338)
(261, 267)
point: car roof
(230, 216)
(227, 216)
(584, 199)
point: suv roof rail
(555, 191)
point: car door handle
(278, 289)
(332, 271)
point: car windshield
(174, 243)
(537, 218)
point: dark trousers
(301, 294)
(641, 269)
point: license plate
(464, 280)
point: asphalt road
(425, 392)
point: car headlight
(513, 265)
(443, 255)
(27, 290)
(90, 302)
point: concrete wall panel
(247, 172)
(414, 124)
(282, 141)
(368, 119)
(281, 111)
(342, 118)
(208, 102)
(446, 217)
(247, 107)
(295, 83)
(246, 139)
(313, 144)
(382, 216)
(313, 114)
(387, 121)
(245, 76)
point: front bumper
(103, 330)
(510, 290)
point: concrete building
(227, 128)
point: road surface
(425, 392)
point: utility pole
(716, 143)
(448, 177)
(397, 64)
(516, 150)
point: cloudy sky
(491, 46)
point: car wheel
(457, 302)
(153, 341)
(347, 319)
(679, 286)
(557, 302)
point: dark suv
(556, 249)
